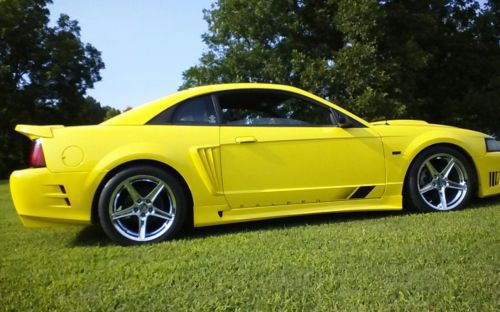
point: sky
(145, 45)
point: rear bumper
(43, 198)
(488, 168)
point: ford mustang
(238, 152)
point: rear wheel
(142, 204)
(440, 179)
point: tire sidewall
(115, 180)
(412, 193)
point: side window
(194, 111)
(260, 107)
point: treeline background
(437, 60)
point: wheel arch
(456, 147)
(137, 162)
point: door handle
(245, 139)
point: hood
(403, 122)
(409, 127)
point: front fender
(402, 149)
(472, 145)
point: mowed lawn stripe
(375, 261)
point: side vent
(494, 178)
(210, 160)
(57, 196)
(63, 191)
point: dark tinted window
(271, 108)
(195, 111)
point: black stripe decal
(362, 192)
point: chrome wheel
(142, 208)
(442, 181)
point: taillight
(36, 157)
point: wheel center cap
(440, 181)
(144, 207)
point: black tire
(142, 204)
(429, 184)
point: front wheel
(142, 204)
(440, 179)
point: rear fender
(128, 153)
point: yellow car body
(239, 173)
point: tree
(110, 112)
(437, 60)
(44, 74)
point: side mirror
(343, 121)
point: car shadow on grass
(91, 236)
(484, 202)
(95, 236)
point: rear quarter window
(194, 111)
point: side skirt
(205, 216)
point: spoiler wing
(34, 132)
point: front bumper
(43, 198)
(488, 168)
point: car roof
(145, 112)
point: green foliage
(337, 262)
(437, 60)
(44, 74)
(110, 112)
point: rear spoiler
(34, 132)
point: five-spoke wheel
(142, 204)
(440, 178)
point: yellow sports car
(238, 152)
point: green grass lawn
(350, 262)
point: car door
(279, 148)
